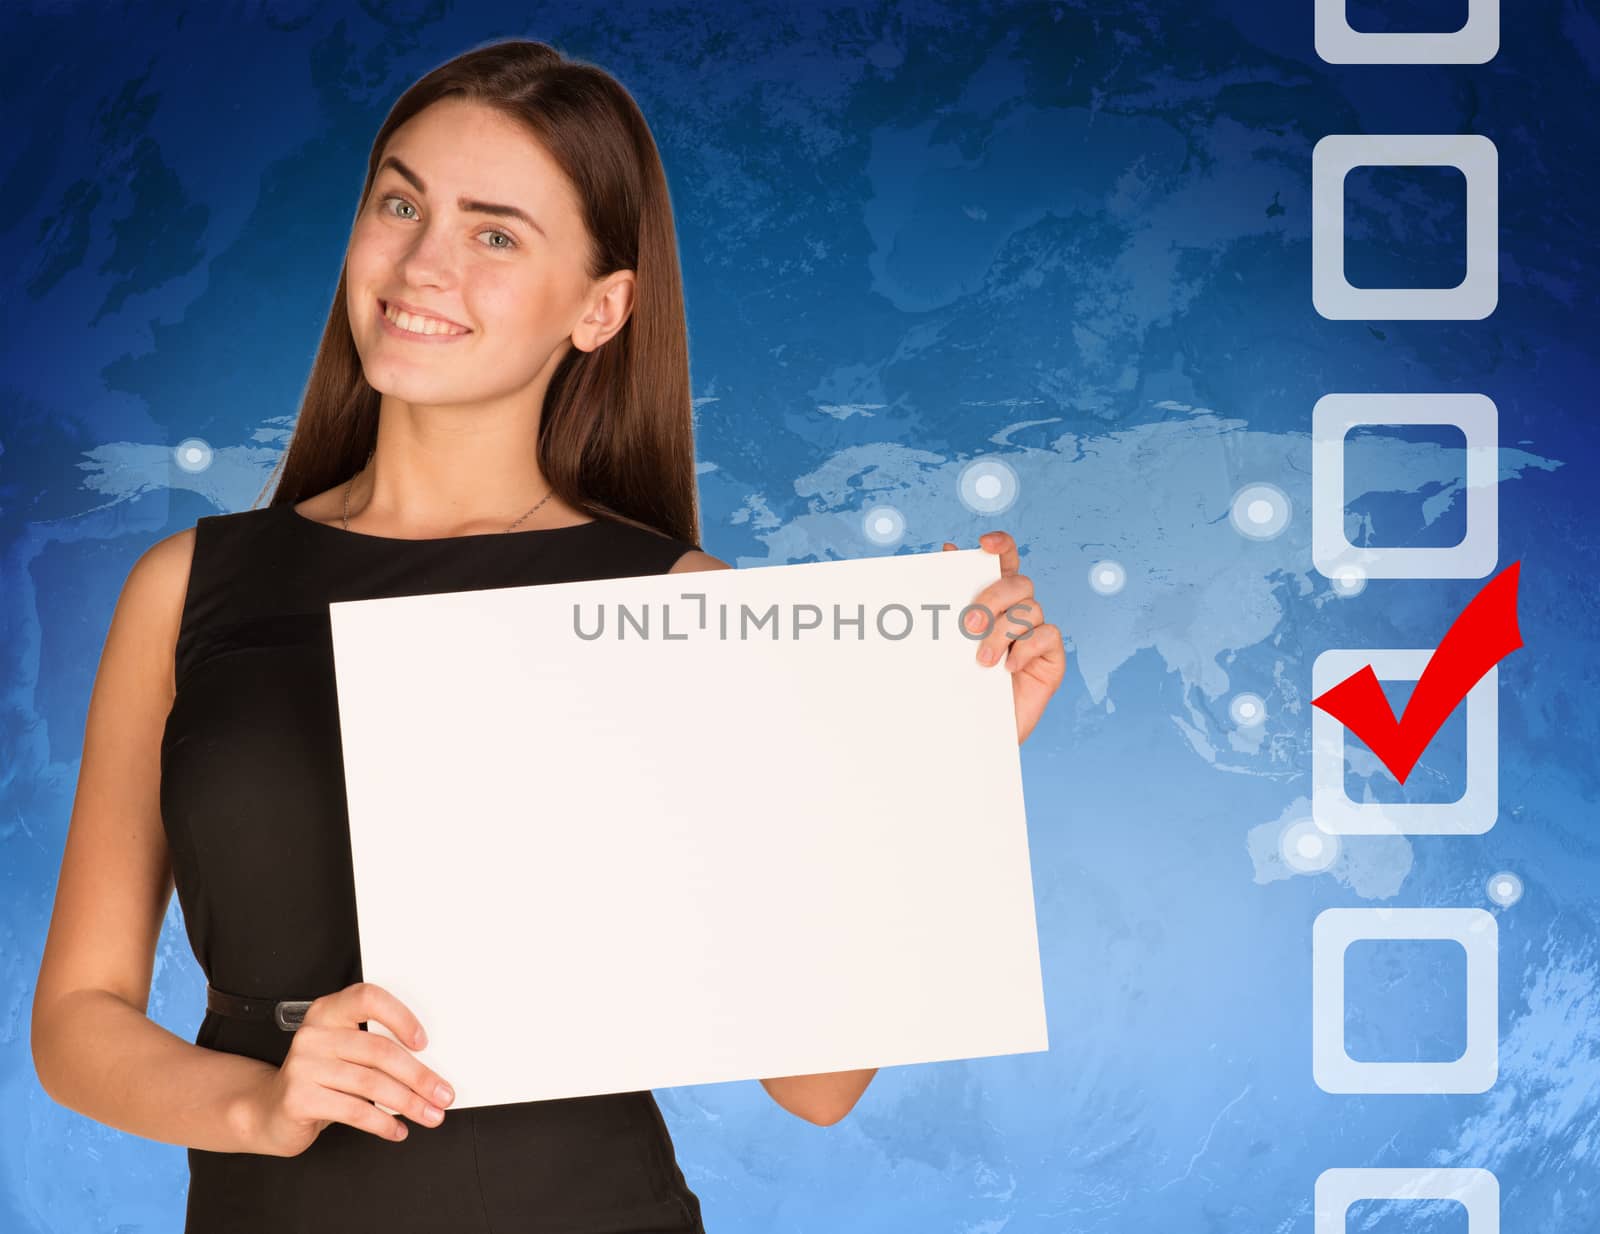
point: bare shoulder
(695, 560)
(151, 606)
(152, 598)
(168, 558)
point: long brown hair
(616, 434)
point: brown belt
(286, 1013)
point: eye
(509, 242)
(401, 200)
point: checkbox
(1476, 42)
(1405, 485)
(1332, 1067)
(1405, 1000)
(1476, 1190)
(1405, 227)
(1331, 807)
(1474, 156)
(1440, 775)
(1331, 421)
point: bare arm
(94, 1048)
(826, 1097)
(823, 1098)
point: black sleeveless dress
(253, 804)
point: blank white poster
(681, 829)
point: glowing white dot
(1259, 511)
(1247, 710)
(1306, 848)
(1349, 581)
(1107, 577)
(987, 486)
(883, 525)
(192, 454)
(1504, 888)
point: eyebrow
(465, 203)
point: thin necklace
(349, 484)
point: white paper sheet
(594, 866)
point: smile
(416, 326)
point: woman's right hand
(334, 1072)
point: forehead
(461, 148)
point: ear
(608, 308)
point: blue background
(1073, 237)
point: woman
(500, 398)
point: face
(478, 229)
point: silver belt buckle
(290, 1013)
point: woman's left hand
(1035, 658)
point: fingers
(1001, 542)
(378, 1004)
(1008, 612)
(310, 1099)
(328, 1064)
(997, 542)
(1044, 649)
(1006, 608)
(372, 1065)
(371, 1050)
(362, 1115)
(376, 1085)
(364, 1001)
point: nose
(430, 259)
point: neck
(415, 493)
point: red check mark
(1484, 634)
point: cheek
(520, 303)
(369, 249)
(360, 265)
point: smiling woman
(512, 264)
(423, 264)
(506, 353)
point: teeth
(419, 325)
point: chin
(424, 390)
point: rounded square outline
(1477, 42)
(1479, 935)
(1475, 157)
(1479, 421)
(1331, 808)
(1476, 1190)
